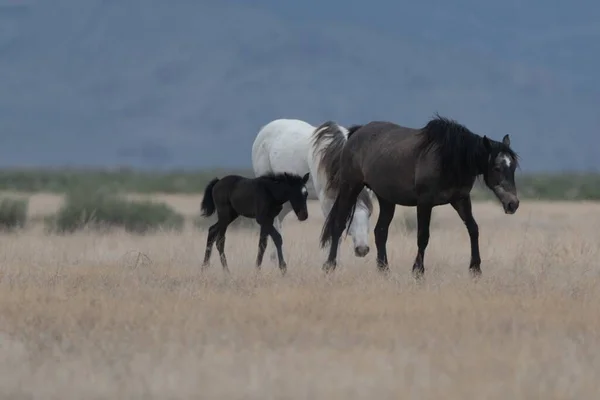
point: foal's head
(499, 175)
(292, 188)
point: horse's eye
(497, 168)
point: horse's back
(282, 146)
(383, 155)
(379, 137)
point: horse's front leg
(278, 240)
(262, 244)
(386, 214)
(277, 223)
(464, 209)
(423, 221)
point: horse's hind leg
(386, 214)
(423, 220)
(326, 205)
(222, 229)
(340, 212)
(210, 240)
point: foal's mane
(461, 151)
(330, 154)
(281, 177)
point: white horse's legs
(287, 207)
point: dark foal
(261, 198)
(422, 168)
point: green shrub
(13, 213)
(538, 186)
(104, 211)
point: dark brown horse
(261, 198)
(422, 168)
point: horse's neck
(278, 196)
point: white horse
(291, 145)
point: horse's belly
(399, 195)
(392, 180)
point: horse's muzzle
(302, 215)
(361, 251)
(510, 206)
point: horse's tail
(339, 205)
(328, 141)
(208, 202)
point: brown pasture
(122, 316)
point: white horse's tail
(328, 141)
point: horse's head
(499, 175)
(359, 225)
(297, 194)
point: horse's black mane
(461, 151)
(282, 177)
(353, 129)
(330, 156)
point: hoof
(329, 266)
(418, 272)
(383, 269)
(475, 273)
(283, 267)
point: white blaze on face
(504, 159)
(304, 191)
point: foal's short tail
(340, 204)
(208, 203)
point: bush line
(558, 186)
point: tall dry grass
(122, 316)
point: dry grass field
(88, 317)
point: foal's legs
(277, 222)
(423, 220)
(213, 231)
(224, 220)
(262, 245)
(465, 212)
(278, 240)
(346, 198)
(267, 228)
(386, 214)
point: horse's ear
(506, 140)
(487, 144)
(305, 178)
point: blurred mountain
(188, 83)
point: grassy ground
(122, 316)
